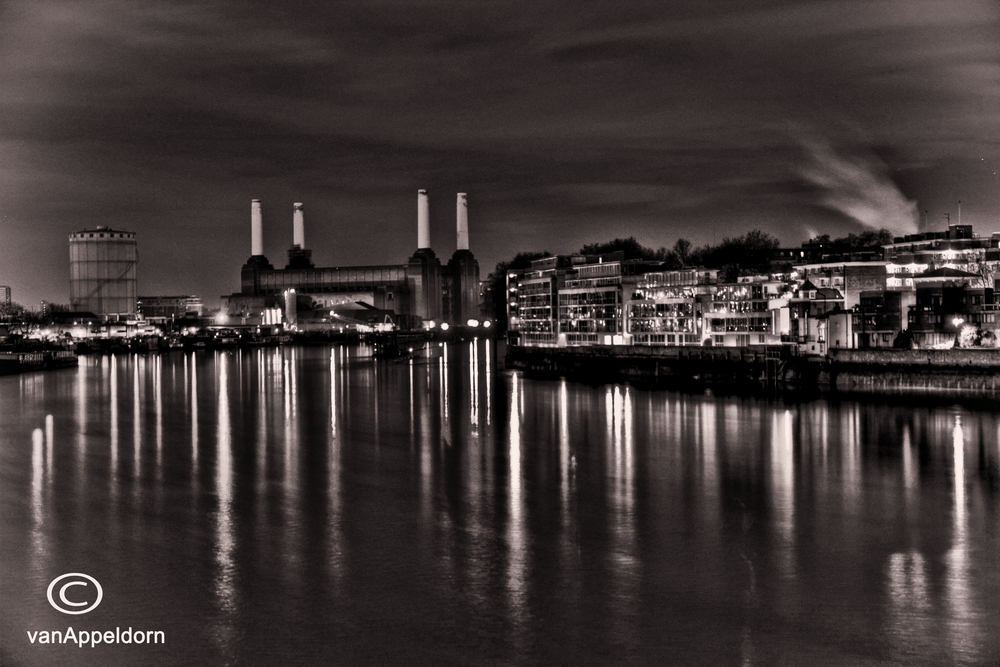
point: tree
(743, 255)
(682, 250)
(632, 249)
(867, 240)
(966, 336)
(19, 320)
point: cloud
(662, 119)
(857, 186)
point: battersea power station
(421, 293)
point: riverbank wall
(736, 369)
(958, 372)
(962, 371)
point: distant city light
(473, 323)
(445, 326)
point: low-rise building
(880, 318)
(807, 308)
(666, 307)
(753, 311)
(575, 300)
(166, 309)
(849, 278)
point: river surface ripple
(314, 506)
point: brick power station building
(417, 293)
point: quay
(752, 368)
(958, 371)
(22, 361)
(971, 373)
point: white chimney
(256, 229)
(423, 221)
(298, 226)
(462, 220)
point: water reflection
(158, 406)
(350, 498)
(292, 458)
(624, 561)
(564, 452)
(783, 490)
(137, 416)
(39, 550)
(516, 538)
(335, 539)
(113, 427)
(474, 385)
(49, 443)
(443, 384)
(962, 629)
(225, 578)
(911, 466)
(193, 398)
(81, 422)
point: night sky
(566, 123)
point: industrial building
(166, 309)
(419, 292)
(102, 266)
(4, 295)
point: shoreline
(962, 373)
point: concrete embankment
(973, 373)
(752, 368)
(962, 372)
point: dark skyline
(566, 124)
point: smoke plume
(859, 187)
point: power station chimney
(462, 220)
(298, 226)
(256, 229)
(423, 221)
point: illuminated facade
(666, 307)
(749, 312)
(569, 301)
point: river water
(314, 506)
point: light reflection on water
(313, 505)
